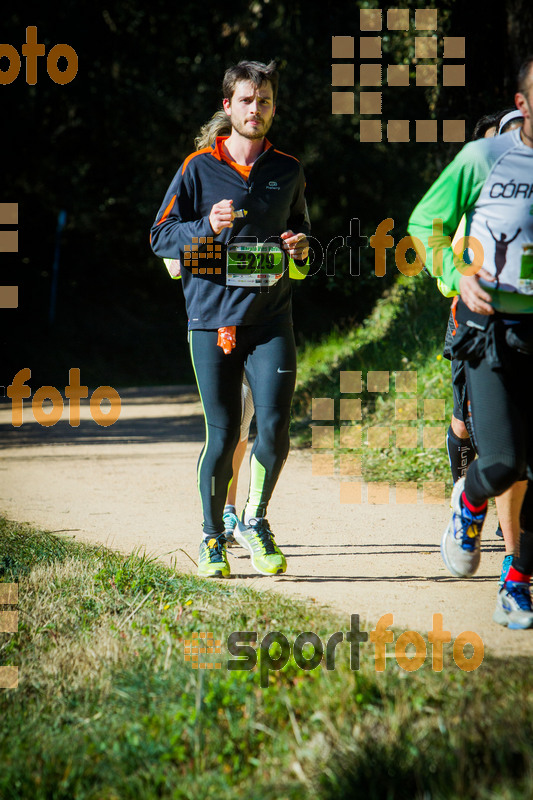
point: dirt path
(133, 485)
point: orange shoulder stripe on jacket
(286, 154)
(167, 210)
(192, 155)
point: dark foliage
(105, 146)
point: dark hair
(254, 71)
(484, 123)
(523, 74)
(490, 121)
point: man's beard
(252, 134)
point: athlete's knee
(273, 429)
(222, 440)
(498, 476)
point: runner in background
(230, 515)
(459, 444)
(490, 181)
(460, 439)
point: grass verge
(107, 708)
(403, 333)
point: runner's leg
(219, 379)
(461, 450)
(247, 405)
(500, 420)
(271, 372)
(508, 505)
(500, 424)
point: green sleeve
(453, 194)
(297, 272)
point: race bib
(525, 282)
(251, 265)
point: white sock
(248, 517)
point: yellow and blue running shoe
(213, 562)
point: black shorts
(501, 410)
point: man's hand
(221, 216)
(477, 300)
(296, 245)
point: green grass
(108, 708)
(404, 332)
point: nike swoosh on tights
(284, 370)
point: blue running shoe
(513, 606)
(461, 543)
(230, 523)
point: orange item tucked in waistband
(227, 338)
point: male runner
(491, 181)
(230, 216)
(460, 440)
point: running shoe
(513, 606)
(230, 521)
(213, 562)
(461, 543)
(258, 539)
(507, 561)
